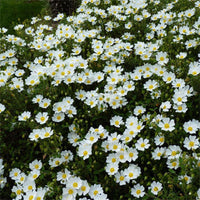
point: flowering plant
(103, 104)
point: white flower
(132, 172)
(138, 191)
(167, 124)
(182, 108)
(161, 57)
(35, 135)
(74, 182)
(155, 187)
(15, 173)
(142, 144)
(32, 80)
(112, 168)
(190, 12)
(46, 132)
(191, 142)
(55, 162)
(37, 99)
(138, 110)
(84, 150)
(173, 151)
(172, 163)
(63, 176)
(29, 185)
(44, 103)
(158, 152)
(132, 154)
(168, 77)
(84, 189)
(159, 140)
(35, 165)
(150, 85)
(18, 190)
(185, 178)
(165, 106)
(91, 137)
(41, 118)
(121, 178)
(58, 117)
(24, 116)
(34, 174)
(181, 55)
(95, 190)
(191, 126)
(2, 108)
(69, 193)
(116, 121)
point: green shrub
(16, 11)
(103, 104)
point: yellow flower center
(36, 166)
(70, 191)
(130, 174)
(18, 192)
(35, 176)
(83, 188)
(32, 82)
(138, 192)
(47, 134)
(162, 58)
(180, 108)
(16, 174)
(169, 79)
(112, 169)
(151, 87)
(113, 160)
(30, 197)
(131, 132)
(166, 125)
(42, 119)
(173, 153)
(174, 164)
(58, 117)
(159, 154)
(116, 122)
(30, 187)
(75, 184)
(179, 99)
(191, 143)
(142, 145)
(57, 162)
(155, 189)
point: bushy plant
(103, 104)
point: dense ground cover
(103, 104)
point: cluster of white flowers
(26, 188)
(96, 61)
(26, 183)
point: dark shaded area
(63, 6)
